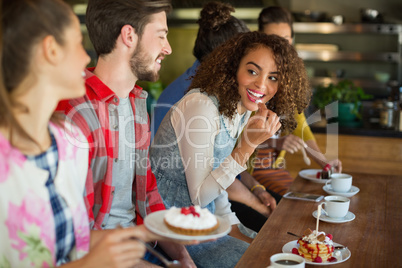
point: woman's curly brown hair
(217, 76)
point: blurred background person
(278, 20)
(44, 160)
(121, 189)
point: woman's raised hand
(260, 127)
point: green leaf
(36, 250)
(345, 91)
(4, 263)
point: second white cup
(336, 206)
(340, 182)
(283, 260)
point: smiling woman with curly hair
(194, 155)
(269, 167)
(217, 76)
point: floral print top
(27, 228)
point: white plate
(345, 253)
(349, 217)
(154, 222)
(311, 174)
(353, 190)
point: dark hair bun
(215, 14)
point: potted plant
(349, 97)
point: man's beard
(140, 63)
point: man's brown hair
(105, 18)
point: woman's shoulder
(300, 117)
(195, 105)
(194, 98)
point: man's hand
(260, 200)
(265, 198)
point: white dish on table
(311, 175)
(154, 222)
(344, 254)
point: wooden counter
(374, 237)
(362, 154)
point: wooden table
(374, 237)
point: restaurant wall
(391, 9)
(182, 38)
(182, 43)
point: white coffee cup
(287, 260)
(335, 206)
(340, 182)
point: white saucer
(353, 190)
(349, 217)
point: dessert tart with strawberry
(325, 173)
(192, 220)
(315, 247)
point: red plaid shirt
(92, 114)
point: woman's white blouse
(196, 122)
